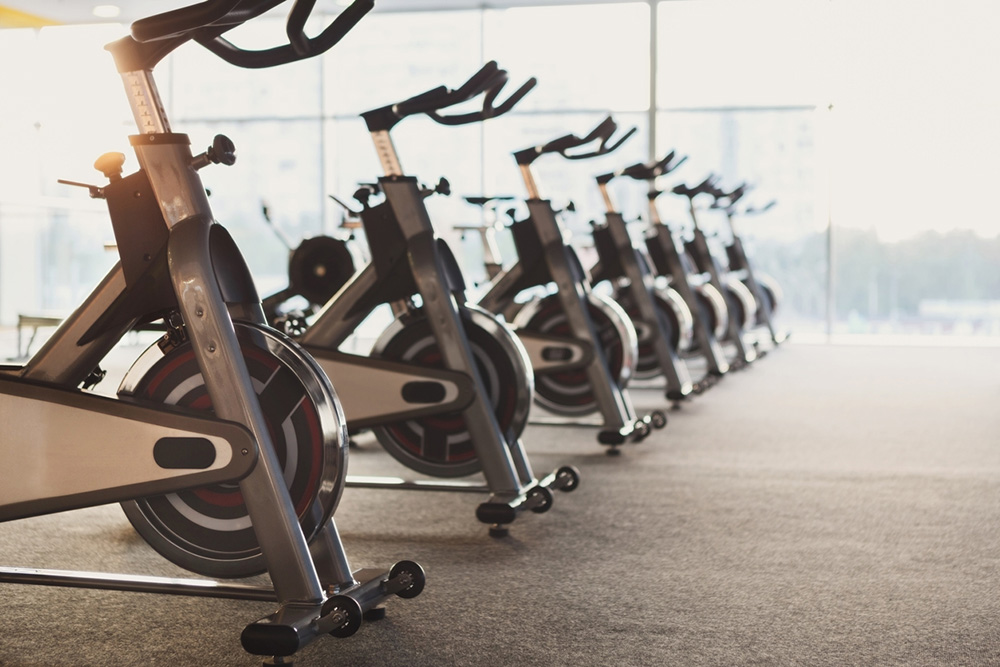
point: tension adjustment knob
(110, 164)
(222, 150)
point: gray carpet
(830, 506)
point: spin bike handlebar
(603, 132)
(490, 79)
(752, 210)
(727, 200)
(737, 193)
(708, 186)
(646, 171)
(205, 22)
(483, 201)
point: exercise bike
(671, 263)
(447, 387)
(765, 289)
(740, 304)
(228, 447)
(581, 343)
(664, 323)
(487, 230)
(318, 266)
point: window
(873, 116)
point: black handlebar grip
(442, 96)
(706, 186)
(561, 144)
(293, 51)
(477, 83)
(489, 79)
(295, 28)
(604, 130)
(734, 195)
(422, 103)
(340, 26)
(603, 148)
(181, 20)
(492, 84)
(639, 171)
(513, 99)
(489, 110)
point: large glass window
(63, 106)
(584, 56)
(776, 152)
(766, 53)
(913, 156)
(389, 57)
(740, 87)
(875, 117)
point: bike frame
(174, 256)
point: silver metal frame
(521, 369)
(661, 238)
(321, 395)
(71, 354)
(746, 352)
(582, 352)
(501, 456)
(639, 283)
(749, 277)
(573, 291)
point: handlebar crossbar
(737, 193)
(205, 22)
(647, 171)
(603, 132)
(727, 201)
(177, 22)
(708, 186)
(490, 79)
(752, 210)
(483, 201)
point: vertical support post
(324, 218)
(830, 276)
(653, 57)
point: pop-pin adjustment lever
(110, 164)
(443, 187)
(364, 194)
(222, 151)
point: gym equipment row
(231, 443)
(685, 293)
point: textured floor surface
(829, 506)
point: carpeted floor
(829, 506)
